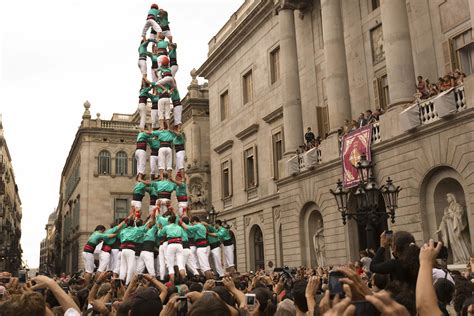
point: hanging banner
(354, 145)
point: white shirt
(441, 274)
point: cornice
(224, 146)
(249, 131)
(295, 4)
(273, 116)
(248, 205)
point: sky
(55, 55)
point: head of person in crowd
(210, 304)
(195, 220)
(146, 302)
(407, 252)
(463, 291)
(100, 228)
(218, 223)
(444, 292)
(266, 301)
(379, 282)
(368, 114)
(299, 295)
(420, 78)
(172, 219)
(403, 294)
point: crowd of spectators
(425, 89)
(415, 281)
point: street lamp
(212, 215)
(367, 194)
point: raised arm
(426, 301)
(63, 298)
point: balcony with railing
(443, 104)
(118, 125)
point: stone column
(292, 117)
(398, 52)
(337, 83)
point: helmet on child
(154, 6)
(163, 60)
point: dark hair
(195, 287)
(468, 302)
(210, 306)
(224, 295)
(403, 294)
(139, 222)
(146, 302)
(380, 280)
(219, 222)
(463, 291)
(265, 297)
(172, 219)
(186, 220)
(408, 255)
(444, 291)
(299, 290)
(195, 219)
(99, 227)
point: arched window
(104, 162)
(121, 163)
(257, 254)
(134, 165)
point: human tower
(168, 241)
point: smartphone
(335, 286)
(389, 234)
(250, 300)
(364, 308)
(183, 306)
(117, 283)
(22, 276)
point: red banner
(354, 145)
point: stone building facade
(278, 67)
(47, 253)
(10, 212)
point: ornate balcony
(441, 105)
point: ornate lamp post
(212, 215)
(367, 196)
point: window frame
(275, 67)
(125, 212)
(254, 156)
(247, 93)
(276, 169)
(224, 112)
(227, 161)
(121, 162)
(109, 163)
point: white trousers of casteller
(174, 256)
(140, 156)
(229, 256)
(104, 260)
(190, 261)
(216, 256)
(148, 260)
(127, 265)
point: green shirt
(212, 239)
(178, 140)
(145, 92)
(139, 188)
(172, 53)
(96, 238)
(199, 231)
(162, 44)
(223, 234)
(162, 70)
(143, 48)
(132, 234)
(164, 135)
(164, 186)
(154, 143)
(150, 234)
(111, 241)
(181, 190)
(142, 137)
(175, 95)
(154, 12)
(171, 231)
(164, 19)
(162, 220)
(153, 57)
(184, 234)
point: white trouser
(154, 165)
(203, 258)
(164, 109)
(189, 260)
(142, 111)
(182, 207)
(140, 156)
(193, 252)
(216, 256)
(174, 70)
(174, 256)
(114, 264)
(154, 119)
(177, 114)
(164, 158)
(142, 66)
(127, 265)
(157, 265)
(151, 23)
(229, 256)
(137, 205)
(88, 258)
(140, 264)
(162, 259)
(148, 260)
(168, 80)
(180, 159)
(167, 33)
(104, 260)
(154, 74)
(163, 207)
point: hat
(154, 6)
(146, 302)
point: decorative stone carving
(376, 40)
(197, 194)
(87, 113)
(261, 218)
(247, 221)
(319, 244)
(276, 212)
(454, 230)
(234, 224)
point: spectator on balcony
(369, 116)
(422, 88)
(346, 128)
(361, 120)
(433, 89)
(354, 125)
(309, 136)
(459, 77)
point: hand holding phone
(250, 299)
(335, 285)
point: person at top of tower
(164, 24)
(151, 21)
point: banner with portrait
(354, 145)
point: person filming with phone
(404, 265)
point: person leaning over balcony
(151, 21)
(177, 109)
(202, 247)
(309, 136)
(140, 153)
(88, 253)
(215, 245)
(105, 253)
(225, 237)
(173, 58)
